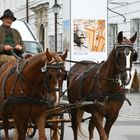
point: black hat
(8, 13)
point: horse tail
(79, 118)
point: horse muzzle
(54, 98)
(125, 77)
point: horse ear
(48, 55)
(133, 38)
(63, 57)
(120, 37)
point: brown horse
(29, 88)
(102, 83)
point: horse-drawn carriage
(31, 90)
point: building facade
(124, 16)
(40, 16)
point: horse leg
(91, 127)
(74, 122)
(41, 123)
(109, 122)
(21, 125)
(21, 131)
(6, 127)
(113, 112)
(5, 124)
(99, 125)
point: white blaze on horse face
(57, 95)
(128, 65)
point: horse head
(125, 54)
(54, 75)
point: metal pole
(55, 32)
(55, 29)
(27, 11)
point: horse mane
(42, 55)
(33, 58)
(111, 59)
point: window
(51, 42)
(60, 49)
(32, 47)
(135, 27)
(112, 35)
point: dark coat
(16, 38)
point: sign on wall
(88, 30)
(87, 20)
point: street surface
(127, 126)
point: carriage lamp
(56, 9)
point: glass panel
(135, 27)
(32, 47)
(112, 35)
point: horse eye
(49, 76)
(134, 57)
(117, 55)
(121, 56)
(60, 75)
(65, 76)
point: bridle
(127, 49)
(121, 47)
(58, 68)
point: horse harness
(118, 95)
(18, 68)
(97, 68)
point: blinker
(53, 66)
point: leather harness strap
(85, 75)
(8, 74)
(17, 68)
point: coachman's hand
(7, 48)
(18, 47)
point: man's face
(7, 21)
(81, 35)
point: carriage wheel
(31, 130)
(57, 129)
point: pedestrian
(10, 39)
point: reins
(85, 63)
(16, 56)
(90, 63)
(78, 62)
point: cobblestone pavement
(133, 111)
